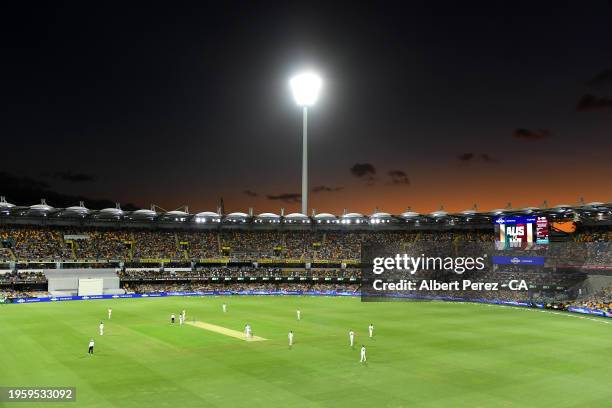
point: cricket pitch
(224, 330)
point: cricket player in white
(290, 336)
(371, 330)
(110, 312)
(352, 338)
(91, 346)
(299, 314)
(363, 355)
(181, 319)
(247, 331)
(184, 315)
(224, 308)
(101, 329)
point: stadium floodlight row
(591, 213)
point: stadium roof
(323, 216)
(268, 215)
(207, 214)
(352, 215)
(112, 211)
(237, 215)
(42, 208)
(144, 213)
(74, 211)
(5, 204)
(176, 212)
(269, 218)
(296, 216)
(596, 212)
(381, 215)
(77, 208)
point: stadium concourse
(178, 251)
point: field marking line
(549, 312)
(224, 330)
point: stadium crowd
(5, 254)
(262, 254)
(29, 243)
(235, 272)
(11, 293)
(239, 287)
(599, 301)
(22, 277)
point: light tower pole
(305, 88)
(305, 162)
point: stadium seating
(162, 260)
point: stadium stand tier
(180, 251)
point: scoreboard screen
(529, 232)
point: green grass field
(428, 354)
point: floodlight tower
(305, 88)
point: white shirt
(91, 343)
(290, 337)
(363, 351)
(101, 326)
(351, 334)
(371, 328)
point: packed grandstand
(177, 251)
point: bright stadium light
(305, 88)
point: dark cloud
(531, 134)
(286, 197)
(593, 103)
(73, 177)
(361, 170)
(398, 177)
(28, 191)
(473, 157)
(8, 182)
(250, 193)
(601, 79)
(488, 158)
(326, 189)
(466, 156)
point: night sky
(425, 104)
